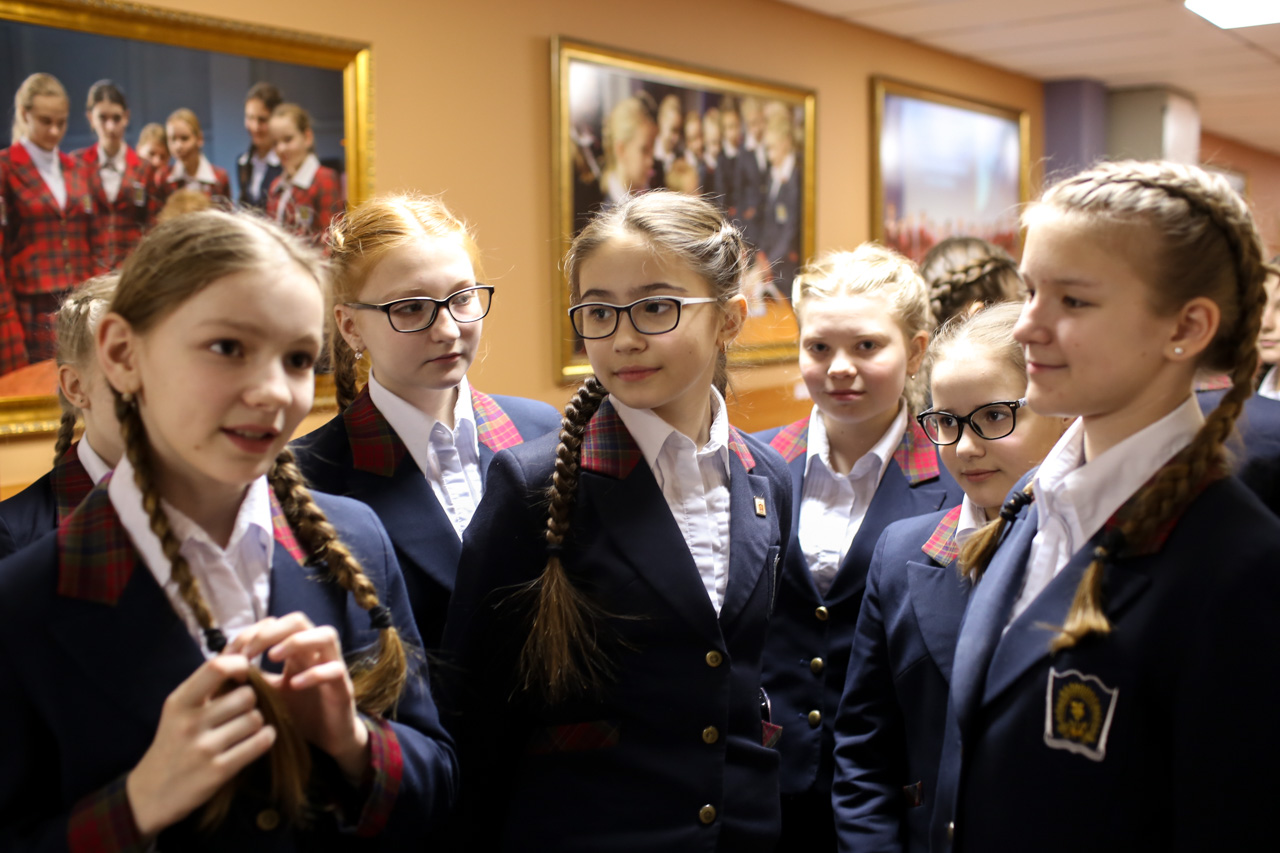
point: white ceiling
(1233, 74)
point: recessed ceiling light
(1230, 14)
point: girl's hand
(204, 739)
(315, 685)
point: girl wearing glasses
(889, 729)
(416, 442)
(604, 640)
(858, 462)
(1113, 675)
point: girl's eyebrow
(642, 290)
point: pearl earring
(359, 354)
(1178, 350)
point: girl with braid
(963, 270)
(603, 648)
(206, 656)
(1112, 683)
(83, 392)
(415, 443)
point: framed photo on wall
(944, 166)
(625, 124)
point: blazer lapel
(749, 536)
(494, 428)
(938, 595)
(414, 519)
(987, 615)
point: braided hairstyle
(562, 656)
(174, 262)
(1208, 247)
(77, 327)
(964, 270)
(361, 238)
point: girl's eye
(228, 347)
(408, 308)
(816, 347)
(600, 312)
(868, 346)
(1072, 302)
(945, 421)
(657, 307)
(462, 300)
(300, 360)
(995, 416)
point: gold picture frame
(590, 84)
(945, 165)
(39, 415)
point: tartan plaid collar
(916, 456)
(609, 449)
(377, 449)
(942, 547)
(22, 157)
(97, 557)
(71, 482)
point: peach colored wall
(1262, 168)
(462, 105)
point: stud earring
(1178, 350)
(359, 354)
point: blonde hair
(963, 270)
(627, 118)
(1208, 246)
(181, 202)
(562, 656)
(154, 134)
(187, 116)
(363, 237)
(876, 271)
(33, 87)
(989, 327)
(295, 113)
(175, 261)
(77, 326)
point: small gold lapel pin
(760, 507)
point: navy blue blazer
(1256, 445)
(244, 177)
(807, 655)
(888, 732)
(38, 508)
(359, 455)
(1157, 736)
(90, 647)
(670, 757)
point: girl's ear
(345, 318)
(916, 347)
(310, 137)
(1196, 327)
(735, 317)
(72, 387)
(118, 354)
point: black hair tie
(555, 549)
(1112, 543)
(215, 639)
(1014, 505)
(380, 617)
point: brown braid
(289, 759)
(561, 657)
(1212, 248)
(66, 429)
(344, 370)
(378, 684)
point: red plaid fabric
(71, 483)
(103, 823)
(607, 445)
(738, 446)
(13, 347)
(308, 211)
(942, 547)
(1215, 383)
(219, 191)
(574, 737)
(121, 223)
(283, 533)
(47, 250)
(917, 456)
(494, 428)
(96, 556)
(382, 780)
(375, 447)
(792, 441)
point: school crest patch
(1077, 713)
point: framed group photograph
(626, 124)
(945, 166)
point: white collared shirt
(833, 506)
(448, 458)
(260, 166)
(236, 581)
(49, 165)
(301, 179)
(695, 483)
(1074, 498)
(780, 175)
(111, 171)
(1270, 387)
(204, 174)
(94, 465)
(972, 519)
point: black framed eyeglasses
(992, 421)
(657, 315)
(419, 312)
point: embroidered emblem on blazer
(1078, 710)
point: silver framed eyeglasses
(992, 421)
(657, 315)
(419, 312)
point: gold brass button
(951, 831)
(815, 719)
(707, 814)
(267, 820)
(821, 613)
(710, 734)
(816, 665)
(714, 658)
